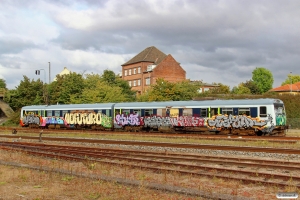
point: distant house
(287, 89)
(63, 72)
(203, 87)
(145, 68)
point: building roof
(65, 71)
(150, 54)
(287, 88)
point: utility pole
(291, 81)
(49, 74)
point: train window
(227, 111)
(107, 112)
(148, 112)
(64, 112)
(137, 112)
(244, 111)
(263, 111)
(126, 111)
(49, 113)
(213, 111)
(279, 109)
(187, 112)
(56, 113)
(203, 112)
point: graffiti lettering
(123, 119)
(157, 121)
(240, 121)
(87, 119)
(187, 121)
(31, 119)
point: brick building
(143, 69)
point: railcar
(238, 117)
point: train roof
(163, 104)
(192, 104)
(70, 106)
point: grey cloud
(10, 45)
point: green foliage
(263, 79)
(112, 79)
(29, 92)
(67, 89)
(164, 90)
(291, 79)
(241, 89)
(14, 119)
(221, 89)
(252, 87)
(2, 83)
(102, 92)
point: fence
(293, 122)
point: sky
(219, 41)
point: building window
(134, 71)
(134, 83)
(129, 82)
(147, 81)
(125, 73)
(139, 82)
(139, 70)
(129, 72)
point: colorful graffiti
(31, 119)
(280, 120)
(241, 121)
(188, 121)
(88, 119)
(69, 119)
(129, 119)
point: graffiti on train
(157, 121)
(128, 119)
(88, 119)
(239, 121)
(54, 120)
(188, 121)
(31, 119)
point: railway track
(280, 139)
(245, 170)
(163, 144)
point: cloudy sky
(214, 40)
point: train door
(214, 111)
(280, 115)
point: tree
(164, 90)
(252, 87)
(221, 89)
(29, 92)
(102, 92)
(263, 79)
(112, 79)
(241, 89)
(291, 79)
(2, 83)
(66, 86)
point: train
(255, 117)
